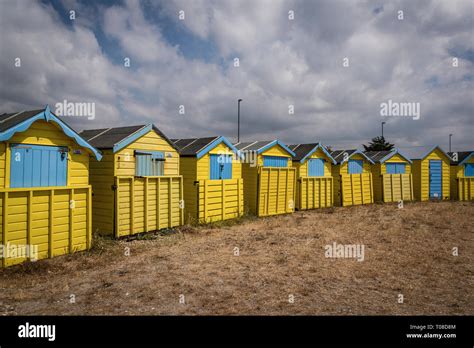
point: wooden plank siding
(461, 187)
(56, 220)
(421, 180)
(392, 187)
(314, 192)
(207, 200)
(125, 204)
(353, 189)
(145, 204)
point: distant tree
(378, 144)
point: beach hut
(212, 176)
(269, 177)
(462, 175)
(391, 175)
(314, 183)
(136, 187)
(431, 172)
(45, 196)
(352, 178)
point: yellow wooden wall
(462, 187)
(148, 204)
(56, 219)
(125, 165)
(104, 175)
(196, 175)
(49, 134)
(421, 176)
(256, 194)
(362, 192)
(390, 189)
(314, 192)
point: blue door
(355, 166)
(316, 167)
(221, 167)
(38, 166)
(469, 169)
(435, 179)
(275, 161)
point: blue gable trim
(360, 153)
(273, 143)
(216, 142)
(48, 116)
(467, 158)
(395, 151)
(314, 150)
(132, 137)
(431, 150)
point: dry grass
(407, 251)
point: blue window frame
(149, 163)
(469, 169)
(355, 166)
(316, 167)
(221, 167)
(275, 161)
(38, 166)
(395, 168)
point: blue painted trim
(394, 152)
(273, 143)
(314, 150)
(361, 153)
(132, 137)
(468, 157)
(48, 116)
(216, 142)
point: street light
(450, 136)
(382, 128)
(238, 120)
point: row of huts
(58, 187)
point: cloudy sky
(334, 61)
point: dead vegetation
(407, 251)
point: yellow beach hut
(314, 183)
(462, 175)
(136, 187)
(212, 176)
(269, 177)
(431, 173)
(352, 178)
(391, 175)
(45, 196)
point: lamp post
(382, 128)
(238, 120)
(450, 136)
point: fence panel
(144, 204)
(48, 221)
(220, 199)
(315, 192)
(276, 190)
(357, 189)
(465, 188)
(397, 187)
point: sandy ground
(408, 251)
